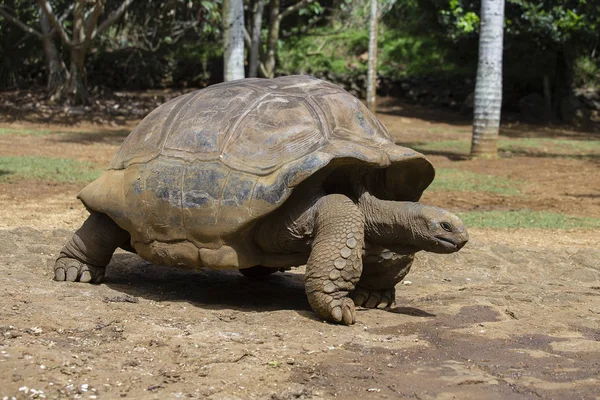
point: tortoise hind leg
(86, 254)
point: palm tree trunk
(488, 86)
(372, 67)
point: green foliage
(178, 43)
(341, 52)
(553, 20)
(526, 219)
(460, 20)
(403, 55)
(21, 57)
(46, 169)
(449, 179)
(327, 49)
(587, 72)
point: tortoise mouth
(447, 245)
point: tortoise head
(435, 229)
(408, 227)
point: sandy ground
(514, 315)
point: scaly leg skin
(376, 288)
(85, 256)
(335, 262)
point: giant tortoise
(267, 174)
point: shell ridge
(168, 125)
(229, 135)
(252, 197)
(314, 107)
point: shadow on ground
(127, 273)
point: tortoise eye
(446, 226)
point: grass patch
(448, 179)
(454, 146)
(557, 146)
(562, 147)
(25, 132)
(526, 219)
(83, 135)
(47, 169)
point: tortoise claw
(374, 298)
(72, 270)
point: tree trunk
(233, 35)
(272, 38)
(54, 65)
(76, 88)
(85, 28)
(372, 67)
(488, 86)
(256, 32)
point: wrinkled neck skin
(391, 224)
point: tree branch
(47, 8)
(248, 42)
(247, 38)
(115, 15)
(66, 13)
(91, 21)
(293, 8)
(304, 29)
(20, 24)
(263, 70)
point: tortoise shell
(193, 178)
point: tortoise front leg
(380, 274)
(85, 256)
(334, 265)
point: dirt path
(514, 315)
(507, 317)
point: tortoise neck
(388, 222)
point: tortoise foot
(71, 270)
(374, 298)
(339, 310)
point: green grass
(46, 169)
(45, 132)
(526, 219)
(559, 146)
(24, 132)
(562, 147)
(448, 179)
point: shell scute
(276, 131)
